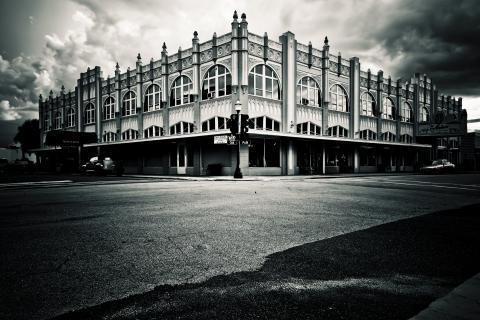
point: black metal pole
(238, 172)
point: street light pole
(238, 172)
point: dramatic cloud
(7, 112)
(436, 37)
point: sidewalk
(463, 302)
(265, 178)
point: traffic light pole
(238, 173)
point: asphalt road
(70, 247)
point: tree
(28, 135)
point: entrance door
(181, 159)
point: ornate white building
(313, 112)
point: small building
(312, 112)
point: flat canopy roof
(69, 138)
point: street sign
(220, 139)
(230, 140)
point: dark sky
(47, 43)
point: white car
(439, 166)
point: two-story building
(312, 112)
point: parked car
(102, 167)
(438, 166)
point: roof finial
(164, 46)
(117, 66)
(139, 57)
(244, 17)
(235, 15)
(326, 40)
(195, 34)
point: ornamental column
(325, 83)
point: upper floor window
(181, 92)
(109, 136)
(58, 120)
(368, 134)
(129, 134)
(217, 83)
(153, 97)
(406, 138)
(129, 105)
(368, 104)
(338, 98)
(264, 123)
(181, 127)
(388, 109)
(338, 131)
(263, 82)
(46, 122)
(308, 92)
(309, 128)
(215, 123)
(153, 131)
(407, 112)
(388, 136)
(424, 115)
(70, 117)
(109, 109)
(89, 114)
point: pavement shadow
(391, 271)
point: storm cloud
(435, 37)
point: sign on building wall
(444, 126)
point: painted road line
(439, 183)
(30, 183)
(424, 185)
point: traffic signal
(245, 123)
(232, 124)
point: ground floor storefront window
(368, 156)
(264, 153)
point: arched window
(217, 83)
(406, 138)
(338, 98)
(308, 92)
(129, 105)
(58, 121)
(215, 123)
(264, 123)
(181, 127)
(153, 131)
(338, 131)
(407, 112)
(309, 128)
(129, 134)
(263, 82)
(109, 109)
(153, 97)
(89, 114)
(181, 92)
(368, 134)
(46, 121)
(388, 136)
(388, 109)
(70, 117)
(368, 104)
(109, 136)
(424, 115)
